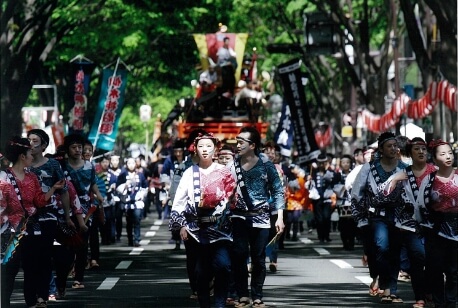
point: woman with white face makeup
(442, 246)
(199, 210)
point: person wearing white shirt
(227, 61)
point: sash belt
(251, 213)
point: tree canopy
(40, 37)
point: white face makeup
(243, 143)
(205, 149)
(36, 143)
(444, 156)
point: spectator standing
(257, 181)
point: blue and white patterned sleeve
(275, 186)
(358, 193)
(180, 201)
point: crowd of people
(413, 206)
(232, 207)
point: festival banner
(80, 77)
(283, 136)
(294, 96)
(111, 101)
(208, 45)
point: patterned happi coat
(414, 198)
(264, 186)
(444, 207)
(209, 196)
(366, 200)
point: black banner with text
(294, 95)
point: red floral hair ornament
(436, 142)
(192, 148)
(206, 136)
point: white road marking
(158, 222)
(123, 265)
(341, 263)
(108, 283)
(136, 251)
(306, 241)
(321, 251)
(154, 228)
(150, 233)
(144, 242)
(364, 279)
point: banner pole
(110, 86)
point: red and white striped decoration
(415, 109)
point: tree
(367, 26)
(153, 40)
(29, 32)
(39, 37)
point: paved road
(154, 275)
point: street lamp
(145, 117)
